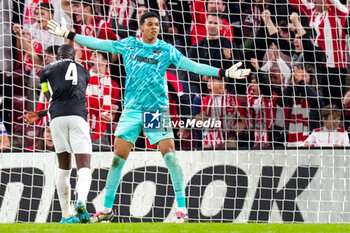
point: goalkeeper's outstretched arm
(61, 30)
(203, 69)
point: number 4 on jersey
(71, 73)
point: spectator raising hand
(255, 63)
(299, 75)
(294, 18)
(266, 17)
(327, 18)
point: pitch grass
(170, 227)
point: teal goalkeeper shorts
(131, 123)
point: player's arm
(31, 117)
(61, 30)
(44, 84)
(183, 62)
(203, 69)
(45, 90)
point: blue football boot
(82, 213)
(73, 219)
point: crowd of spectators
(297, 50)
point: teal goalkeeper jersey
(145, 65)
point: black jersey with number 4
(67, 81)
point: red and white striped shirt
(225, 108)
(176, 85)
(98, 28)
(298, 129)
(260, 117)
(99, 95)
(122, 10)
(329, 26)
(251, 20)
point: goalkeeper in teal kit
(146, 60)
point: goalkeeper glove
(58, 29)
(234, 72)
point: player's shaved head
(66, 51)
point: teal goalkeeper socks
(177, 178)
(113, 180)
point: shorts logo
(152, 120)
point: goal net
(272, 147)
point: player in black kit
(64, 83)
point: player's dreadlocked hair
(66, 51)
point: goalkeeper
(146, 60)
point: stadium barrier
(221, 186)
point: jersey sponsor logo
(146, 60)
